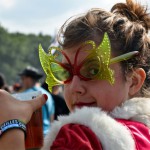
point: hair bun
(134, 11)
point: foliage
(18, 50)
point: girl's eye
(59, 72)
(90, 68)
(93, 71)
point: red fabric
(76, 137)
(140, 133)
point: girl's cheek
(66, 97)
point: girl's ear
(137, 80)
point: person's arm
(10, 108)
(12, 140)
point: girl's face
(96, 93)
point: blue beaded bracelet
(12, 124)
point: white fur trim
(137, 109)
(112, 135)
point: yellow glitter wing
(103, 51)
(46, 60)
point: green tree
(18, 50)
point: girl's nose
(77, 86)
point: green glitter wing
(103, 51)
(46, 60)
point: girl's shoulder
(97, 123)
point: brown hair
(127, 25)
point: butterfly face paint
(96, 66)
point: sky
(45, 16)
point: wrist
(12, 124)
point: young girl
(105, 72)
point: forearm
(12, 140)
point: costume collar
(136, 109)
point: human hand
(11, 108)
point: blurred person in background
(60, 105)
(29, 82)
(16, 87)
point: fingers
(38, 102)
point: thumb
(38, 102)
